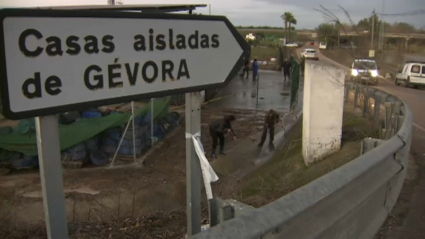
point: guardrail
(352, 201)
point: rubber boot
(213, 154)
(222, 150)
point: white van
(365, 70)
(322, 45)
(412, 74)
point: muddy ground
(287, 171)
(117, 195)
(156, 186)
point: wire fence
(112, 134)
(295, 81)
(288, 53)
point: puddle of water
(82, 190)
(33, 194)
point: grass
(287, 171)
(261, 54)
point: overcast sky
(267, 12)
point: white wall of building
(322, 110)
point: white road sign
(56, 61)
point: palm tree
(289, 19)
(283, 16)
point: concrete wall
(323, 108)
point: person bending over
(218, 130)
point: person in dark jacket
(255, 68)
(246, 69)
(286, 69)
(271, 120)
(218, 130)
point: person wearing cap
(271, 120)
(218, 130)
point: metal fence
(352, 201)
(295, 81)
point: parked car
(291, 44)
(365, 70)
(412, 74)
(309, 54)
(322, 45)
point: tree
(328, 32)
(345, 27)
(287, 17)
(402, 27)
(291, 21)
(366, 23)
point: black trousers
(286, 74)
(271, 132)
(216, 136)
(245, 70)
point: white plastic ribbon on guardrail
(208, 173)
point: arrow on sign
(57, 61)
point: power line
(409, 13)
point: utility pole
(373, 29)
(338, 27)
(382, 29)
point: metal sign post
(193, 167)
(51, 176)
(61, 60)
(152, 120)
(133, 131)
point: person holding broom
(271, 120)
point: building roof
(134, 7)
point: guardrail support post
(365, 103)
(377, 110)
(214, 208)
(347, 93)
(369, 143)
(356, 95)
